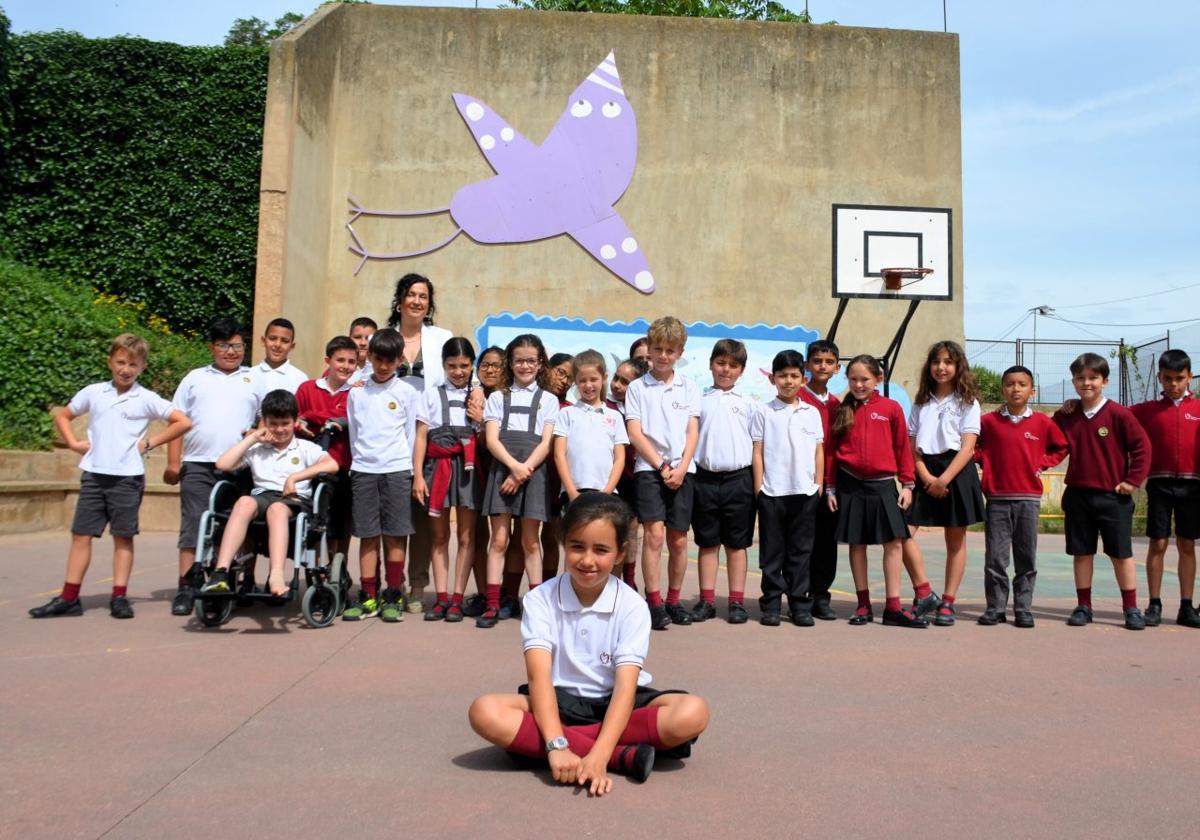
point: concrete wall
(748, 133)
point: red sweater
(1106, 450)
(1173, 431)
(1014, 454)
(828, 410)
(876, 446)
(318, 405)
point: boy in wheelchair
(282, 467)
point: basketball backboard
(867, 239)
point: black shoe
(1134, 620)
(56, 606)
(1153, 615)
(1023, 618)
(509, 608)
(119, 607)
(769, 619)
(636, 762)
(703, 611)
(802, 618)
(1187, 616)
(474, 606)
(183, 601)
(680, 751)
(737, 613)
(926, 605)
(488, 618)
(946, 615)
(902, 618)
(862, 617)
(438, 611)
(991, 616)
(679, 614)
(1080, 616)
(660, 619)
(824, 612)
(245, 589)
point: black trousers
(786, 525)
(824, 554)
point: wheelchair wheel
(339, 576)
(213, 612)
(320, 605)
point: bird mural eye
(581, 108)
(611, 109)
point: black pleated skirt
(961, 507)
(868, 511)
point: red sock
(376, 581)
(119, 591)
(924, 589)
(1085, 596)
(456, 599)
(512, 583)
(1129, 599)
(709, 596)
(643, 728)
(443, 598)
(864, 598)
(629, 574)
(493, 596)
(654, 599)
(70, 591)
(673, 596)
(947, 599)
(735, 596)
(893, 604)
(370, 586)
(395, 574)
(528, 741)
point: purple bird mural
(568, 184)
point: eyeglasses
(491, 366)
(525, 362)
(225, 347)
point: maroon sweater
(1106, 450)
(1174, 431)
(828, 409)
(876, 446)
(316, 406)
(1014, 454)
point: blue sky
(1081, 145)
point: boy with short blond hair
(1110, 458)
(276, 370)
(114, 474)
(1172, 423)
(221, 400)
(662, 414)
(723, 500)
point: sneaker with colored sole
(391, 607)
(413, 603)
(365, 608)
(218, 581)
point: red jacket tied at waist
(443, 469)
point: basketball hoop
(893, 278)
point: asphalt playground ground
(264, 728)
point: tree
(734, 9)
(256, 32)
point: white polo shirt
(724, 443)
(429, 409)
(587, 644)
(361, 374)
(663, 410)
(547, 411)
(938, 425)
(287, 376)
(789, 435)
(383, 416)
(591, 435)
(271, 467)
(221, 406)
(116, 422)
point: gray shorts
(266, 498)
(196, 481)
(105, 499)
(381, 503)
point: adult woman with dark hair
(412, 313)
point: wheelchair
(327, 579)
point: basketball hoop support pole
(837, 319)
(893, 352)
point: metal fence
(1133, 368)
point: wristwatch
(559, 743)
(665, 463)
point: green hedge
(55, 339)
(134, 166)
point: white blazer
(432, 339)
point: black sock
(1185, 602)
(1156, 602)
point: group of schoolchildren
(508, 455)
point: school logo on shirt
(1102, 431)
(246, 379)
(1031, 436)
(1187, 416)
(295, 459)
(678, 406)
(391, 406)
(875, 416)
(606, 658)
(611, 422)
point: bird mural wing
(611, 242)
(504, 147)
